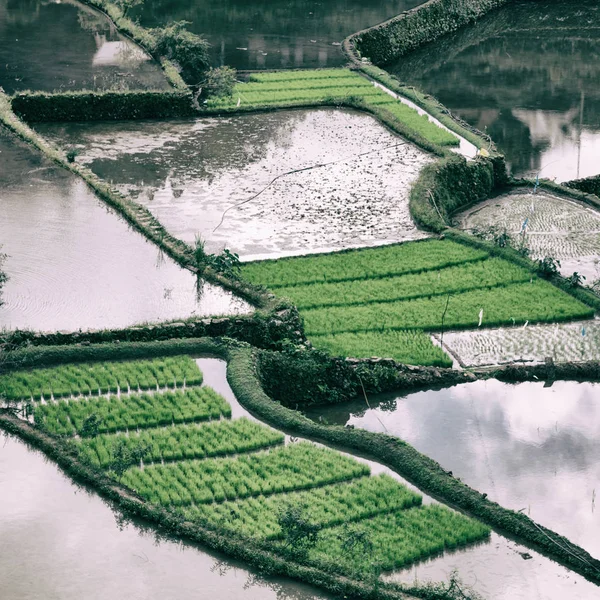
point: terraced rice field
(301, 88)
(236, 475)
(380, 301)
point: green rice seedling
(538, 301)
(136, 411)
(367, 263)
(326, 506)
(408, 347)
(192, 441)
(294, 467)
(399, 539)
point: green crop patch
(408, 347)
(131, 412)
(368, 263)
(100, 378)
(399, 539)
(182, 442)
(517, 303)
(326, 506)
(294, 467)
(482, 274)
(318, 87)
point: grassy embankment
(246, 476)
(380, 301)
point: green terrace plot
(236, 476)
(294, 467)
(184, 441)
(100, 378)
(131, 412)
(305, 88)
(380, 301)
(327, 506)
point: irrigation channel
(528, 75)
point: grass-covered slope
(306, 88)
(379, 301)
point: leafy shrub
(220, 82)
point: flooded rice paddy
(549, 225)
(74, 264)
(279, 34)
(529, 447)
(529, 76)
(48, 46)
(264, 184)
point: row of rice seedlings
(294, 467)
(305, 75)
(408, 346)
(468, 276)
(538, 301)
(399, 539)
(327, 506)
(100, 378)
(131, 412)
(367, 263)
(281, 90)
(185, 441)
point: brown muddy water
(74, 264)
(231, 181)
(529, 447)
(47, 46)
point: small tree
(127, 5)
(299, 533)
(548, 266)
(91, 425)
(187, 50)
(576, 280)
(220, 82)
(123, 457)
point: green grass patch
(100, 378)
(132, 412)
(399, 539)
(326, 506)
(314, 87)
(538, 301)
(367, 263)
(185, 441)
(407, 347)
(485, 273)
(295, 467)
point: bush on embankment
(101, 106)
(589, 185)
(389, 41)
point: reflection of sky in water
(526, 446)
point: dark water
(46, 45)
(529, 447)
(74, 264)
(529, 75)
(274, 34)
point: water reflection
(274, 34)
(47, 45)
(529, 75)
(72, 263)
(528, 447)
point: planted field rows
(320, 86)
(184, 441)
(100, 378)
(325, 506)
(131, 412)
(294, 467)
(237, 476)
(380, 301)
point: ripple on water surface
(66, 45)
(231, 178)
(74, 264)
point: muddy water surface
(527, 74)
(74, 264)
(264, 184)
(48, 46)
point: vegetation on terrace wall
(391, 40)
(589, 185)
